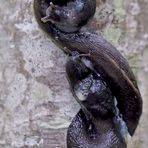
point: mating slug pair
(100, 77)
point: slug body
(89, 88)
(100, 77)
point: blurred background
(36, 105)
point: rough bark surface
(36, 105)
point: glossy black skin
(99, 101)
(65, 15)
(102, 135)
(70, 17)
(85, 130)
(112, 67)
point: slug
(100, 77)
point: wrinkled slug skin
(113, 68)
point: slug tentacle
(100, 77)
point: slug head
(71, 15)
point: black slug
(100, 77)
